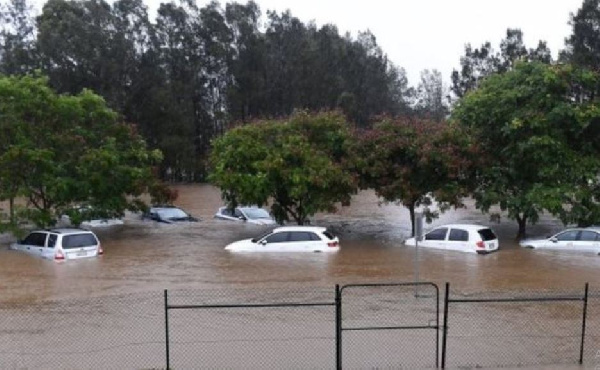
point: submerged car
(60, 244)
(576, 239)
(168, 214)
(253, 215)
(290, 239)
(88, 218)
(459, 237)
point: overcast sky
(430, 34)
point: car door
(34, 243)
(588, 241)
(304, 241)
(436, 238)
(49, 251)
(563, 241)
(276, 242)
(458, 240)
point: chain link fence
(252, 329)
(390, 326)
(517, 329)
(380, 326)
(116, 332)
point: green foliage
(414, 161)
(538, 128)
(299, 165)
(58, 151)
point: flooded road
(143, 256)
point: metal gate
(388, 325)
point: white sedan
(459, 237)
(578, 239)
(290, 239)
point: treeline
(182, 77)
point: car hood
(262, 221)
(532, 241)
(241, 244)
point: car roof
(300, 228)
(66, 231)
(472, 227)
(163, 207)
(594, 228)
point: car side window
(277, 238)
(588, 236)
(437, 234)
(37, 239)
(52, 240)
(458, 235)
(300, 236)
(226, 212)
(568, 236)
(237, 213)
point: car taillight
(333, 244)
(100, 250)
(480, 244)
(59, 256)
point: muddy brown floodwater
(59, 315)
(147, 256)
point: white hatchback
(60, 244)
(459, 237)
(290, 239)
(579, 239)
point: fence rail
(388, 325)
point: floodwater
(143, 256)
(115, 311)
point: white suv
(459, 237)
(60, 244)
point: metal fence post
(583, 322)
(167, 330)
(338, 327)
(445, 327)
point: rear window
(487, 234)
(78, 241)
(329, 235)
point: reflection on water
(146, 256)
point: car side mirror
(263, 242)
(553, 240)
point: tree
(17, 38)
(415, 161)
(298, 164)
(583, 46)
(477, 64)
(432, 96)
(62, 151)
(538, 126)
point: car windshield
(254, 213)
(171, 213)
(78, 241)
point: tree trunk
(11, 206)
(522, 221)
(411, 209)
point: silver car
(576, 239)
(60, 244)
(253, 215)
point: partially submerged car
(290, 239)
(87, 217)
(60, 244)
(253, 215)
(575, 239)
(168, 214)
(459, 237)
